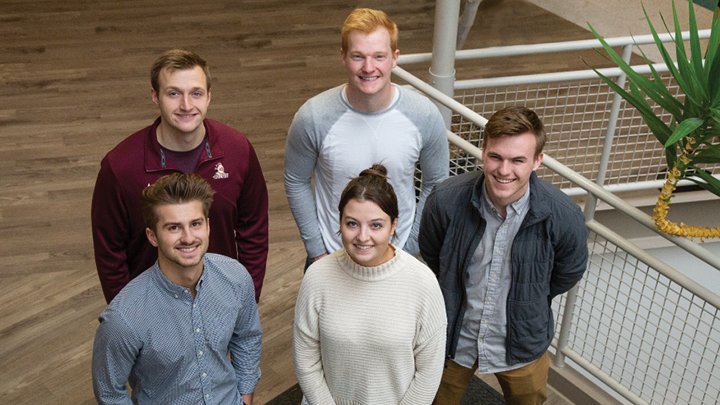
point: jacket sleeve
(110, 230)
(432, 232)
(251, 227)
(571, 252)
(434, 163)
(301, 155)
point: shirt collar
(173, 289)
(518, 207)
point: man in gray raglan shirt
(346, 129)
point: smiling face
(183, 99)
(182, 234)
(508, 163)
(368, 61)
(366, 230)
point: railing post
(442, 69)
(570, 299)
(591, 203)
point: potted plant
(692, 138)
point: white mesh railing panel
(647, 332)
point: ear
(343, 54)
(152, 238)
(538, 160)
(209, 96)
(394, 227)
(395, 56)
(154, 96)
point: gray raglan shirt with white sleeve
(331, 142)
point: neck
(370, 103)
(183, 276)
(177, 141)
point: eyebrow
(180, 90)
(490, 153)
(202, 219)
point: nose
(504, 167)
(368, 65)
(363, 234)
(186, 236)
(185, 102)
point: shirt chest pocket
(219, 328)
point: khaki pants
(522, 386)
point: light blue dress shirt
(173, 349)
(487, 282)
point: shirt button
(207, 395)
(197, 330)
(200, 352)
(176, 296)
(203, 375)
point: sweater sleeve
(429, 349)
(306, 349)
(301, 154)
(251, 226)
(110, 231)
(434, 163)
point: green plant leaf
(685, 128)
(715, 117)
(660, 129)
(664, 53)
(695, 52)
(654, 90)
(692, 82)
(657, 127)
(712, 61)
(709, 182)
(709, 155)
(664, 98)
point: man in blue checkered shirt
(187, 330)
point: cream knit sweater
(369, 335)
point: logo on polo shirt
(220, 172)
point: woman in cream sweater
(369, 318)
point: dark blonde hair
(176, 188)
(513, 121)
(177, 59)
(371, 185)
(367, 20)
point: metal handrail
(517, 50)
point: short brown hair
(176, 188)
(177, 59)
(367, 20)
(371, 185)
(513, 121)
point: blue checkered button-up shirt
(173, 349)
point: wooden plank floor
(74, 82)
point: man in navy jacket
(503, 244)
